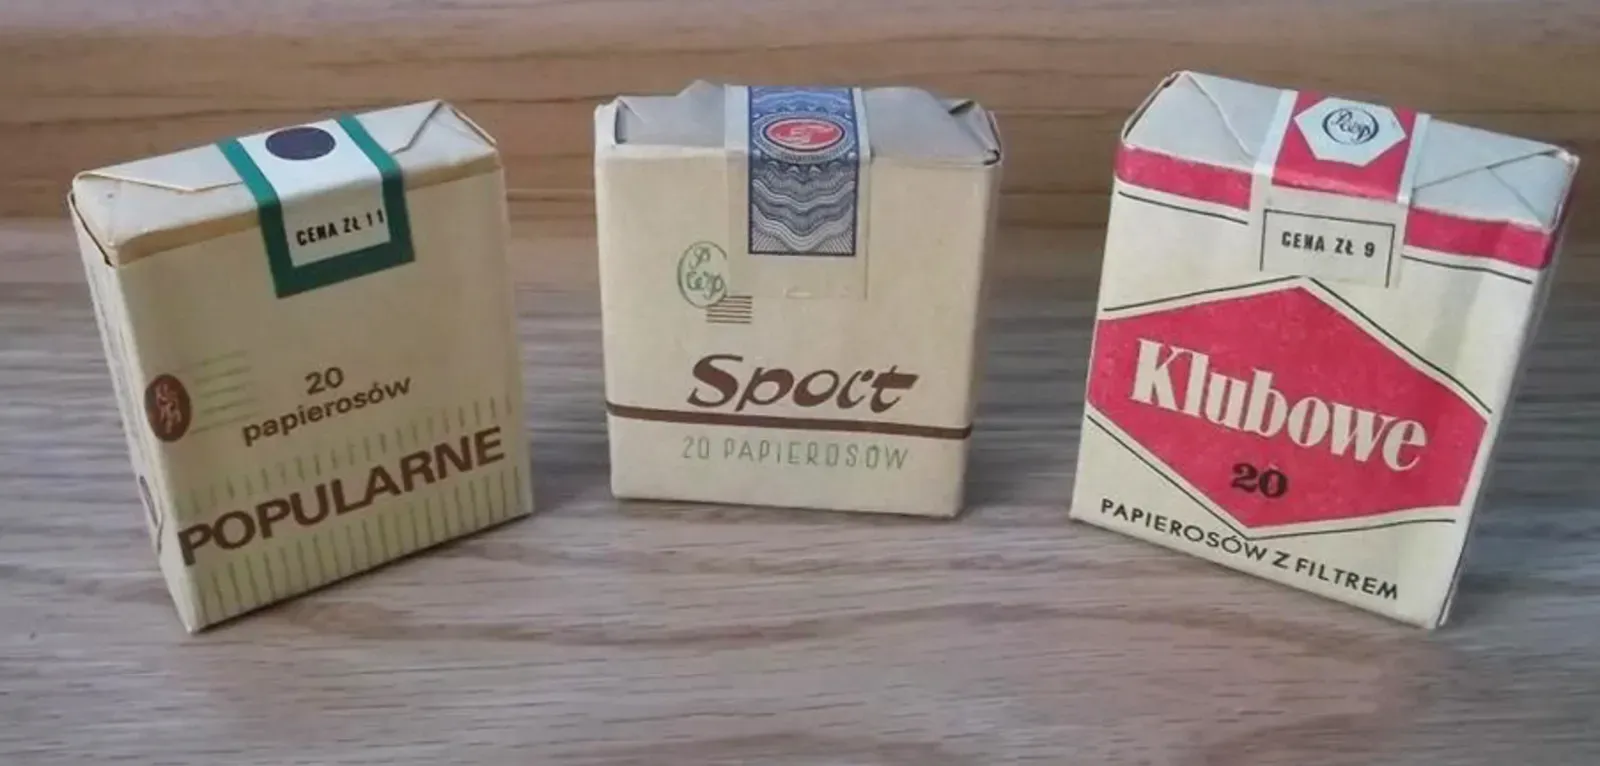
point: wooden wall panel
(87, 82)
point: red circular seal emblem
(167, 408)
(805, 134)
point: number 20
(325, 380)
(1271, 483)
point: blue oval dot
(302, 143)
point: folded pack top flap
(1490, 176)
(127, 205)
(981, 123)
(691, 118)
(911, 124)
(902, 124)
(1208, 119)
(1461, 171)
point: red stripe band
(1503, 241)
(1374, 176)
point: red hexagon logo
(1282, 408)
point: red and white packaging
(1311, 320)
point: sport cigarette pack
(792, 286)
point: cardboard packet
(1311, 320)
(792, 286)
(311, 337)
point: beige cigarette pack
(310, 334)
(1311, 320)
(792, 286)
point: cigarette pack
(311, 338)
(1312, 317)
(792, 287)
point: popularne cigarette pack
(792, 285)
(311, 338)
(1311, 319)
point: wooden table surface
(85, 83)
(600, 632)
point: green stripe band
(289, 279)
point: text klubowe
(1253, 405)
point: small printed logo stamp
(805, 134)
(1350, 132)
(1350, 125)
(167, 408)
(703, 274)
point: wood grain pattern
(89, 82)
(603, 633)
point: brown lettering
(487, 445)
(269, 513)
(342, 504)
(764, 386)
(191, 539)
(379, 482)
(238, 529)
(806, 396)
(414, 465)
(846, 401)
(298, 503)
(444, 454)
(778, 376)
(720, 381)
(245, 535)
(890, 381)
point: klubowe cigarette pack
(310, 335)
(792, 283)
(1311, 319)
